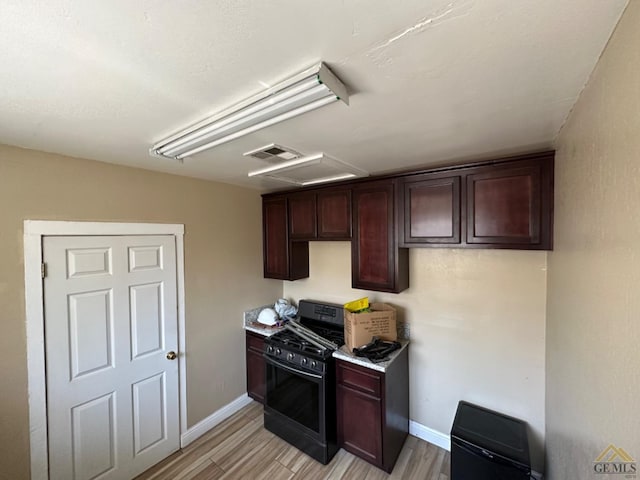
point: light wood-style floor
(240, 448)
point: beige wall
(223, 270)
(477, 321)
(593, 316)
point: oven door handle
(290, 369)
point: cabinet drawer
(363, 380)
(255, 342)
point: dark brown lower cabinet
(255, 367)
(373, 410)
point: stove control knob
(304, 361)
(314, 364)
(290, 356)
(269, 349)
(278, 351)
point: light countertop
(344, 354)
(251, 324)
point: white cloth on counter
(285, 309)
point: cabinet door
(431, 210)
(274, 219)
(377, 263)
(283, 259)
(256, 384)
(302, 216)
(504, 205)
(360, 424)
(334, 214)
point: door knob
(171, 355)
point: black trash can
(487, 445)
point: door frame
(34, 230)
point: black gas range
(300, 396)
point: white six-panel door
(110, 326)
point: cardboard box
(359, 328)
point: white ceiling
(429, 81)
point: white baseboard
(430, 435)
(214, 419)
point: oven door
(296, 398)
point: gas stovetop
(323, 319)
(295, 343)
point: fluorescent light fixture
(334, 178)
(306, 91)
(310, 170)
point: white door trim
(34, 230)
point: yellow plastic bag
(357, 305)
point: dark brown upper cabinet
(334, 214)
(510, 205)
(431, 210)
(321, 215)
(503, 203)
(376, 261)
(302, 216)
(284, 259)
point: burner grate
(295, 343)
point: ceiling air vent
(273, 154)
